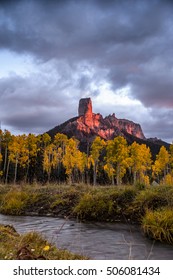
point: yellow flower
(46, 248)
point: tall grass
(109, 204)
(14, 202)
(158, 225)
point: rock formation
(88, 125)
(85, 107)
(85, 110)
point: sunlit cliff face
(107, 127)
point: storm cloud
(65, 50)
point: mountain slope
(87, 125)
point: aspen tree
(18, 152)
(49, 159)
(140, 162)
(161, 164)
(96, 149)
(171, 158)
(81, 163)
(117, 158)
(60, 142)
(70, 157)
(46, 139)
(33, 148)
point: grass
(148, 199)
(107, 204)
(41, 200)
(14, 202)
(31, 246)
(158, 225)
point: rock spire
(85, 107)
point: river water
(95, 240)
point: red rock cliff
(107, 127)
(88, 125)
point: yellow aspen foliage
(117, 158)
(70, 157)
(90, 161)
(46, 139)
(32, 142)
(60, 140)
(144, 179)
(160, 166)
(140, 161)
(59, 156)
(168, 180)
(108, 168)
(18, 150)
(49, 159)
(96, 148)
(171, 158)
(81, 161)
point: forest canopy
(29, 158)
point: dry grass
(30, 246)
(159, 225)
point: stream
(100, 241)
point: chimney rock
(85, 107)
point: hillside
(87, 125)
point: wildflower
(46, 248)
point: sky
(118, 52)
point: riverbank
(151, 207)
(30, 246)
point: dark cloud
(159, 122)
(77, 29)
(80, 45)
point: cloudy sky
(118, 52)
